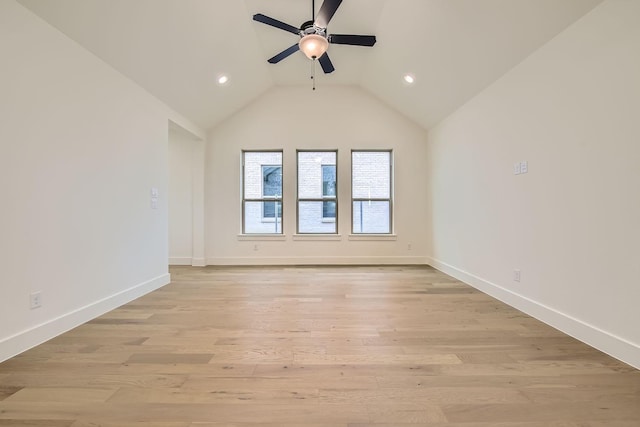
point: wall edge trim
(317, 260)
(615, 346)
(22, 341)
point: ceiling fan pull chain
(313, 73)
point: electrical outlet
(524, 166)
(255, 247)
(35, 300)
(516, 275)
(409, 247)
(154, 198)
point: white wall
(291, 118)
(571, 225)
(186, 166)
(81, 149)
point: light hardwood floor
(316, 347)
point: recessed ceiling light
(409, 79)
(223, 79)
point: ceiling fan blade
(352, 39)
(275, 23)
(326, 64)
(285, 53)
(326, 12)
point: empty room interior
(320, 213)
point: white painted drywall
(571, 224)
(82, 147)
(181, 151)
(186, 197)
(291, 118)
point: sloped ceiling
(175, 49)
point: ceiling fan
(314, 39)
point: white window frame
(263, 198)
(322, 199)
(373, 199)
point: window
(271, 188)
(317, 192)
(371, 192)
(329, 192)
(262, 192)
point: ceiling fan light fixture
(313, 45)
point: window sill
(263, 237)
(373, 237)
(317, 237)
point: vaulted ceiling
(176, 49)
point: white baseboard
(615, 346)
(194, 262)
(315, 260)
(22, 341)
(198, 262)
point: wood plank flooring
(316, 347)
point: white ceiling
(175, 49)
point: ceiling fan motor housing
(309, 28)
